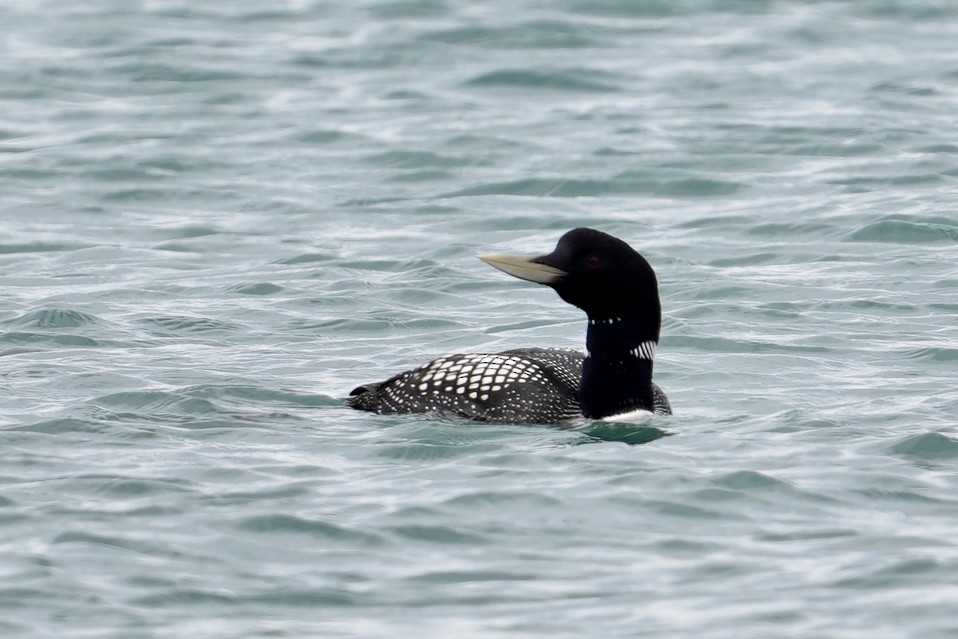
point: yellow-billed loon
(592, 270)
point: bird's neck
(617, 372)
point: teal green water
(217, 218)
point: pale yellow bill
(524, 268)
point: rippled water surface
(218, 218)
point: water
(217, 218)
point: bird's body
(589, 269)
(526, 385)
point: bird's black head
(604, 276)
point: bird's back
(524, 385)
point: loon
(617, 289)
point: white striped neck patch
(645, 350)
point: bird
(612, 380)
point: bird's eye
(593, 261)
